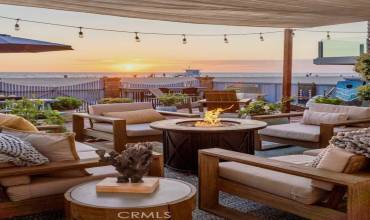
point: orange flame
(212, 118)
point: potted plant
(262, 107)
(115, 100)
(34, 111)
(364, 95)
(66, 105)
(169, 101)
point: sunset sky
(117, 52)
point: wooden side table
(174, 199)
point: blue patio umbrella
(10, 44)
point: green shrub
(34, 111)
(115, 100)
(362, 66)
(172, 99)
(66, 103)
(260, 107)
(326, 100)
(364, 92)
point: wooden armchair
(355, 185)
(303, 135)
(222, 99)
(115, 129)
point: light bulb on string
(261, 37)
(328, 35)
(184, 41)
(17, 27)
(80, 33)
(225, 39)
(137, 38)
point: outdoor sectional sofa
(117, 129)
(287, 183)
(319, 129)
(30, 190)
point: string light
(328, 35)
(184, 41)
(80, 33)
(225, 39)
(137, 38)
(261, 37)
(16, 26)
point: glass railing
(342, 48)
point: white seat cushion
(46, 186)
(298, 131)
(132, 130)
(280, 184)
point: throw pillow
(19, 152)
(16, 122)
(138, 116)
(55, 146)
(333, 159)
(315, 118)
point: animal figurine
(132, 163)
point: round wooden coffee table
(174, 199)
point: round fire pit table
(182, 139)
(174, 199)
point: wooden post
(287, 69)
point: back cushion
(54, 146)
(138, 116)
(16, 122)
(118, 107)
(315, 118)
(353, 112)
(337, 160)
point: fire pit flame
(212, 118)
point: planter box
(67, 115)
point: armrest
(289, 168)
(51, 167)
(179, 114)
(51, 128)
(280, 115)
(97, 117)
(349, 122)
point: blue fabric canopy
(10, 44)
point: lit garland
(184, 39)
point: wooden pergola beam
(287, 69)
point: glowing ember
(211, 118)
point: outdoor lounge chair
(314, 135)
(158, 92)
(222, 99)
(115, 129)
(283, 183)
(42, 193)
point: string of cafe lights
(184, 36)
